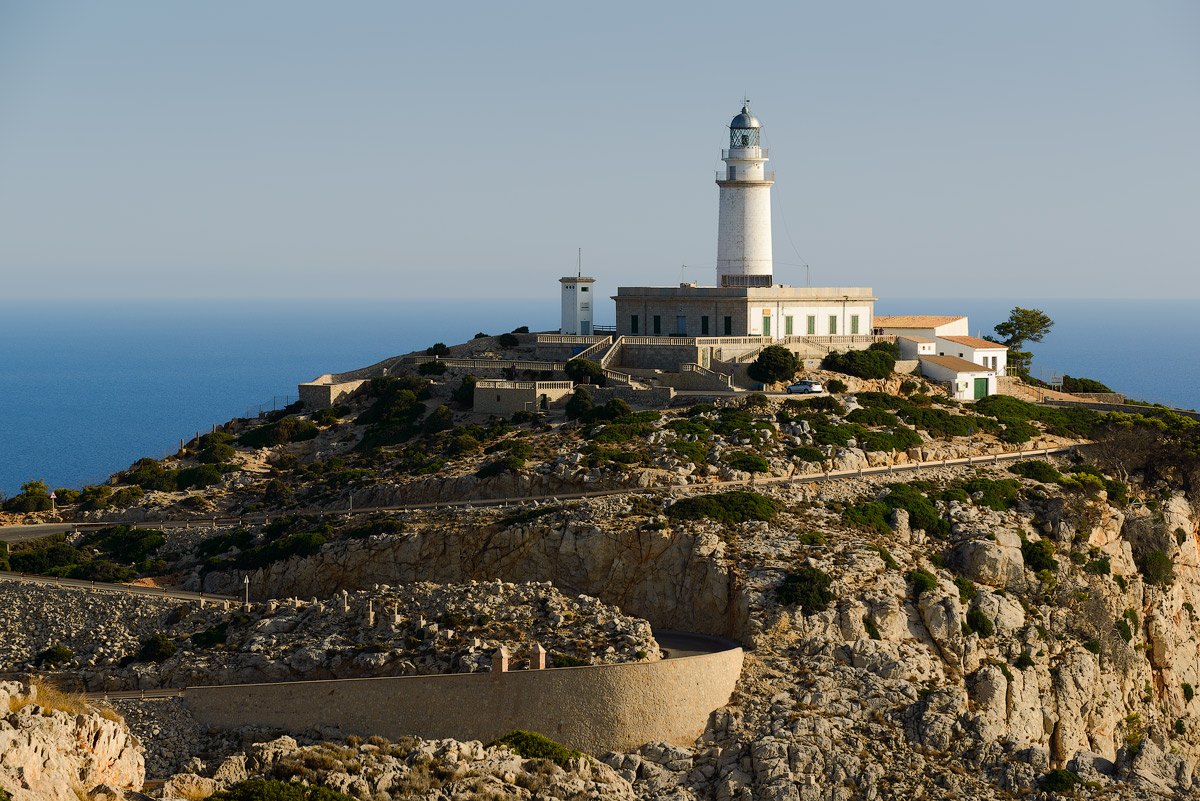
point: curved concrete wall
(596, 708)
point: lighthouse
(744, 225)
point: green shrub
(810, 538)
(888, 561)
(806, 454)
(1060, 781)
(725, 507)
(774, 363)
(54, 656)
(579, 404)
(289, 429)
(276, 492)
(584, 371)
(873, 417)
(980, 623)
(463, 445)
(872, 629)
(808, 587)
(695, 452)
(531, 745)
(867, 517)
(388, 526)
(304, 544)
(507, 341)
(907, 386)
(201, 476)
(747, 462)
(966, 589)
(1100, 567)
(502, 465)
(565, 660)
(215, 454)
(998, 495)
(1123, 630)
(1188, 692)
(1023, 662)
(432, 368)
(1180, 728)
(127, 495)
(271, 790)
(1037, 471)
(1157, 569)
(1093, 646)
(93, 498)
(922, 581)
(214, 635)
(440, 419)
(835, 386)
(465, 392)
(156, 648)
(862, 363)
(921, 511)
(125, 544)
(1038, 555)
(34, 497)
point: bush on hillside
(437, 349)
(868, 517)
(725, 507)
(835, 386)
(34, 497)
(890, 348)
(508, 340)
(584, 371)
(807, 587)
(271, 790)
(774, 363)
(862, 363)
(465, 392)
(289, 429)
(747, 462)
(532, 745)
(1039, 555)
(440, 419)
(1037, 471)
(922, 581)
(156, 648)
(1157, 569)
(579, 404)
(432, 368)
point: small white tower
(576, 305)
(744, 225)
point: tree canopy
(1022, 325)
(774, 363)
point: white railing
(570, 339)
(491, 364)
(613, 352)
(689, 342)
(688, 367)
(731, 341)
(588, 353)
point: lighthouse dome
(745, 120)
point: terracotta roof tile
(975, 342)
(957, 364)
(913, 321)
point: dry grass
(53, 699)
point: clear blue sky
(387, 149)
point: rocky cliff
(56, 754)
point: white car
(805, 388)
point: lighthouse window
(704, 325)
(832, 324)
(657, 325)
(633, 324)
(787, 325)
(854, 324)
(728, 326)
(812, 325)
(583, 289)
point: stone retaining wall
(596, 708)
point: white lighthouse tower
(744, 225)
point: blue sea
(88, 387)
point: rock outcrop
(49, 754)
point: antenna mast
(579, 265)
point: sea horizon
(90, 386)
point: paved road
(132, 589)
(27, 532)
